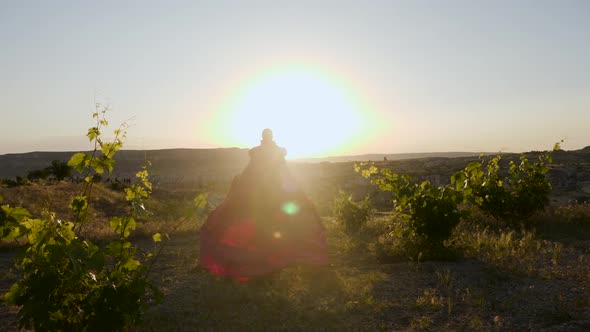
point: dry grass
(169, 209)
(555, 244)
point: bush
(397, 241)
(517, 196)
(40, 174)
(17, 182)
(431, 211)
(60, 169)
(117, 186)
(67, 283)
(352, 214)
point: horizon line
(296, 158)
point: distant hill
(181, 162)
(176, 163)
(198, 165)
(390, 156)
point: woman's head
(267, 135)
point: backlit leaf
(157, 237)
(131, 264)
(78, 161)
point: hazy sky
(429, 75)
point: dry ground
(357, 293)
(354, 293)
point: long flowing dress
(265, 223)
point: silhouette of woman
(265, 223)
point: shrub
(40, 174)
(18, 181)
(396, 241)
(529, 186)
(59, 169)
(352, 214)
(430, 211)
(514, 197)
(116, 186)
(67, 283)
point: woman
(265, 223)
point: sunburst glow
(310, 111)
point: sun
(311, 112)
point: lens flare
(290, 208)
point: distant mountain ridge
(130, 161)
(391, 156)
(185, 163)
(19, 164)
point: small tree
(60, 169)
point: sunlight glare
(310, 113)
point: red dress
(264, 224)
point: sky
(329, 77)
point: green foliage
(517, 195)
(353, 214)
(58, 169)
(396, 241)
(68, 283)
(39, 174)
(11, 221)
(200, 207)
(430, 211)
(18, 181)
